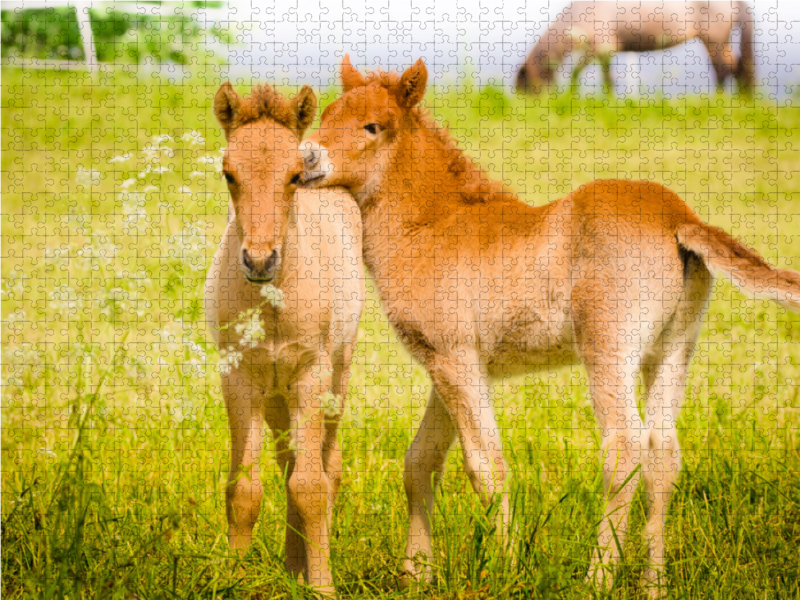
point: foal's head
(356, 135)
(262, 168)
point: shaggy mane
(475, 185)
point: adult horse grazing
(288, 359)
(598, 30)
(478, 284)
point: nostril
(272, 261)
(311, 157)
(247, 261)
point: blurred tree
(169, 34)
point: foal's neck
(427, 179)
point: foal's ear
(304, 108)
(412, 84)
(351, 78)
(227, 104)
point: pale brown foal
(294, 365)
(478, 284)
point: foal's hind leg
(613, 366)
(331, 452)
(424, 467)
(665, 378)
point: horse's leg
(462, 383)
(424, 467)
(664, 378)
(580, 65)
(308, 483)
(244, 403)
(331, 452)
(278, 420)
(721, 61)
(605, 66)
(612, 366)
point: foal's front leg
(243, 400)
(308, 484)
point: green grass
(114, 438)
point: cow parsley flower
(273, 295)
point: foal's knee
(308, 492)
(622, 454)
(663, 456)
(416, 474)
(243, 500)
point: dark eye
(295, 179)
(372, 128)
(229, 178)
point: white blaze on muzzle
(316, 163)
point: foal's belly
(531, 344)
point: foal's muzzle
(314, 164)
(260, 269)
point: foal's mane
(265, 101)
(474, 185)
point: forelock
(264, 102)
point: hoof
(653, 583)
(601, 576)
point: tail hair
(742, 265)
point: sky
(303, 41)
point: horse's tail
(743, 266)
(746, 66)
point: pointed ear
(304, 108)
(351, 78)
(226, 106)
(412, 84)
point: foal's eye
(229, 178)
(372, 128)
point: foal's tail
(745, 268)
(745, 72)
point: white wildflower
(195, 138)
(194, 174)
(88, 177)
(215, 161)
(331, 405)
(127, 183)
(229, 358)
(121, 158)
(65, 298)
(273, 295)
(251, 330)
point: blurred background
(303, 42)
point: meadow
(114, 435)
